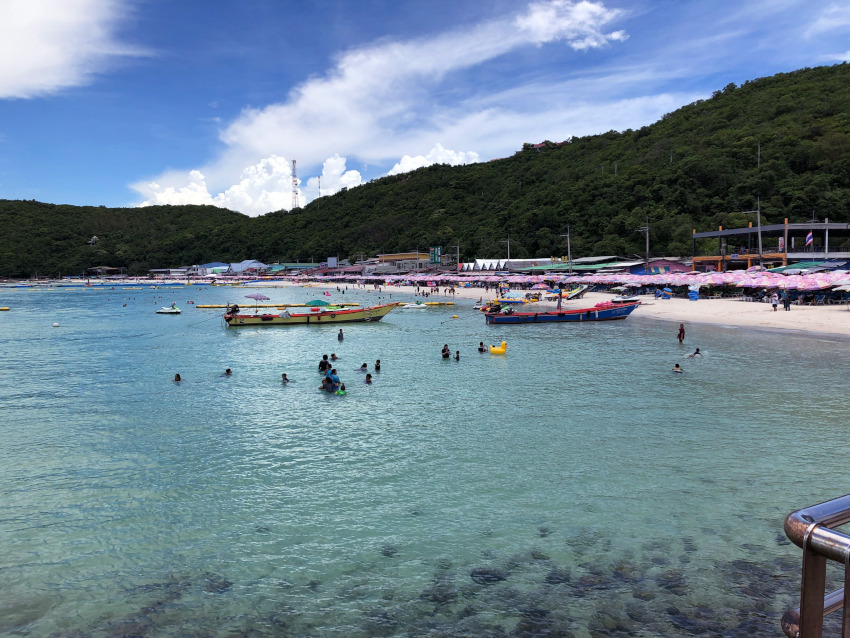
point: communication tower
(294, 187)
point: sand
(829, 320)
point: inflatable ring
(333, 315)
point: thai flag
(809, 239)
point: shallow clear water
(598, 491)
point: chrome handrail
(811, 529)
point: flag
(810, 238)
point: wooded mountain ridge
(783, 139)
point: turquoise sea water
(574, 487)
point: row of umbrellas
(839, 280)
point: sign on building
(436, 254)
(332, 262)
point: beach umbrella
(257, 297)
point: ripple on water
(573, 486)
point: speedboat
(172, 310)
(626, 299)
(414, 305)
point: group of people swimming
(331, 382)
(696, 353)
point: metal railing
(812, 530)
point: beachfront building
(247, 267)
(773, 245)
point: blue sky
(126, 102)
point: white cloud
(50, 45)
(832, 18)
(193, 192)
(262, 187)
(379, 101)
(581, 24)
(437, 155)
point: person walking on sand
(681, 335)
(774, 301)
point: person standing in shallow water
(339, 336)
(681, 335)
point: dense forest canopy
(783, 139)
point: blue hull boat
(605, 311)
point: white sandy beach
(825, 320)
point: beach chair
(819, 300)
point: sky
(139, 102)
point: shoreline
(831, 321)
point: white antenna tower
(294, 187)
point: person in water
(227, 373)
(363, 368)
(697, 353)
(377, 366)
(677, 368)
(324, 364)
(341, 391)
(334, 378)
(339, 336)
(681, 335)
(327, 385)
(284, 378)
(334, 357)
(368, 380)
(481, 347)
(457, 355)
(446, 352)
(177, 377)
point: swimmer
(284, 378)
(334, 357)
(363, 368)
(340, 336)
(334, 378)
(327, 385)
(695, 354)
(177, 377)
(227, 373)
(324, 364)
(677, 368)
(457, 355)
(378, 365)
(446, 352)
(481, 347)
(341, 391)
(368, 380)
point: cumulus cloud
(381, 100)
(262, 187)
(50, 45)
(437, 155)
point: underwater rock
(672, 581)
(536, 554)
(558, 577)
(544, 531)
(389, 550)
(216, 584)
(440, 593)
(487, 575)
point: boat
(171, 310)
(605, 311)
(414, 305)
(317, 316)
(626, 299)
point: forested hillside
(785, 139)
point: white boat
(626, 299)
(413, 305)
(173, 310)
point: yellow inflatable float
(499, 349)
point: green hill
(784, 139)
